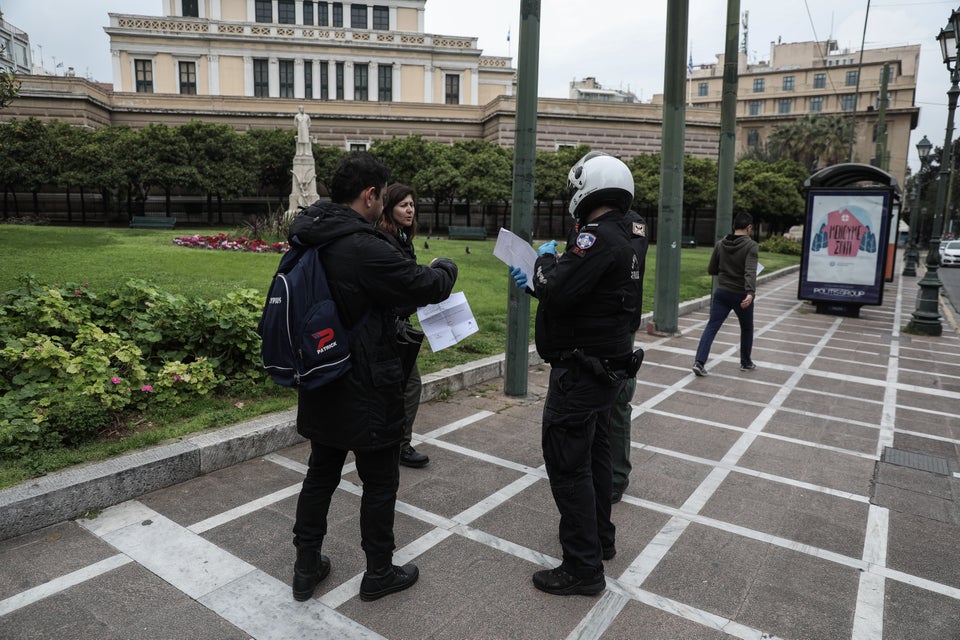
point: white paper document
(448, 322)
(514, 251)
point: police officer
(620, 415)
(584, 328)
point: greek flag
(690, 65)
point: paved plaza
(814, 498)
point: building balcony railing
(174, 25)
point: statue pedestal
(303, 190)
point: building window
(819, 80)
(339, 80)
(848, 102)
(338, 14)
(191, 9)
(452, 89)
(286, 78)
(702, 89)
(286, 12)
(324, 81)
(756, 107)
(144, 75)
(357, 146)
(188, 78)
(261, 78)
(785, 104)
(381, 18)
(788, 83)
(753, 137)
(361, 82)
(358, 16)
(852, 78)
(308, 79)
(889, 74)
(758, 85)
(263, 11)
(323, 14)
(308, 13)
(816, 104)
(385, 82)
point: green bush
(74, 363)
(779, 244)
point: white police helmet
(599, 177)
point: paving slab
(758, 507)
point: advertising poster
(845, 246)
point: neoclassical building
(303, 50)
(819, 77)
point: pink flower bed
(223, 242)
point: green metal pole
(728, 123)
(666, 301)
(521, 217)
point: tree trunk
(83, 206)
(219, 209)
(36, 203)
(69, 207)
(166, 200)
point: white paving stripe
(61, 583)
(244, 509)
(230, 587)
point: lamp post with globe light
(912, 254)
(926, 317)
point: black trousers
(380, 473)
(576, 450)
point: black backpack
(304, 343)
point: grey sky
(619, 42)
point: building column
(299, 91)
(373, 82)
(393, 18)
(251, 11)
(298, 12)
(118, 71)
(316, 79)
(348, 79)
(213, 74)
(274, 75)
(474, 85)
(420, 26)
(214, 9)
(248, 76)
(428, 84)
(275, 12)
(396, 82)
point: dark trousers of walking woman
(723, 303)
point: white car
(950, 256)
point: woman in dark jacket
(399, 222)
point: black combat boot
(310, 568)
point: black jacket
(589, 298)
(369, 278)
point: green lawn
(106, 257)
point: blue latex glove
(519, 277)
(548, 247)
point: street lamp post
(912, 254)
(926, 317)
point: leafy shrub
(73, 363)
(779, 244)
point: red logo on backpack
(324, 337)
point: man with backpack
(363, 410)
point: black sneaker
(560, 583)
(393, 579)
(609, 553)
(409, 457)
(748, 367)
(698, 369)
(307, 574)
